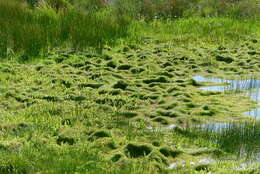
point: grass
(241, 138)
(100, 88)
(42, 28)
(76, 102)
(51, 24)
(213, 30)
(172, 9)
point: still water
(250, 87)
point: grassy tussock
(239, 138)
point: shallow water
(215, 127)
(250, 87)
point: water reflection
(242, 138)
(250, 87)
(215, 127)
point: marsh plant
(152, 9)
(242, 138)
(32, 27)
(30, 31)
(105, 86)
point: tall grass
(30, 31)
(38, 157)
(151, 9)
(31, 27)
(215, 29)
(242, 139)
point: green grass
(172, 9)
(92, 88)
(213, 30)
(240, 138)
(78, 102)
(30, 32)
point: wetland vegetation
(129, 86)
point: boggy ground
(76, 112)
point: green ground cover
(74, 104)
(119, 101)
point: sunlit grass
(30, 32)
(65, 108)
(242, 138)
(216, 29)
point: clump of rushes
(241, 138)
(30, 31)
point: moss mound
(159, 79)
(120, 85)
(124, 67)
(90, 85)
(161, 120)
(117, 157)
(129, 114)
(136, 150)
(99, 134)
(224, 59)
(65, 140)
(168, 152)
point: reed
(165, 9)
(242, 139)
(32, 31)
(211, 30)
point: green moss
(167, 113)
(207, 151)
(172, 89)
(77, 98)
(120, 85)
(51, 98)
(156, 143)
(116, 157)
(161, 120)
(166, 74)
(168, 152)
(88, 103)
(65, 140)
(129, 114)
(170, 106)
(204, 167)
(185, 99)
(159, 79)
(90, 85)
(125, 49)
(110, 92)
(191, 105)
(137, 150)
(124, 67)
(112, 64)
(137, 70)
(224, 59)
(100, 134)
(107, 57)
(68, 136)
(207, 113)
